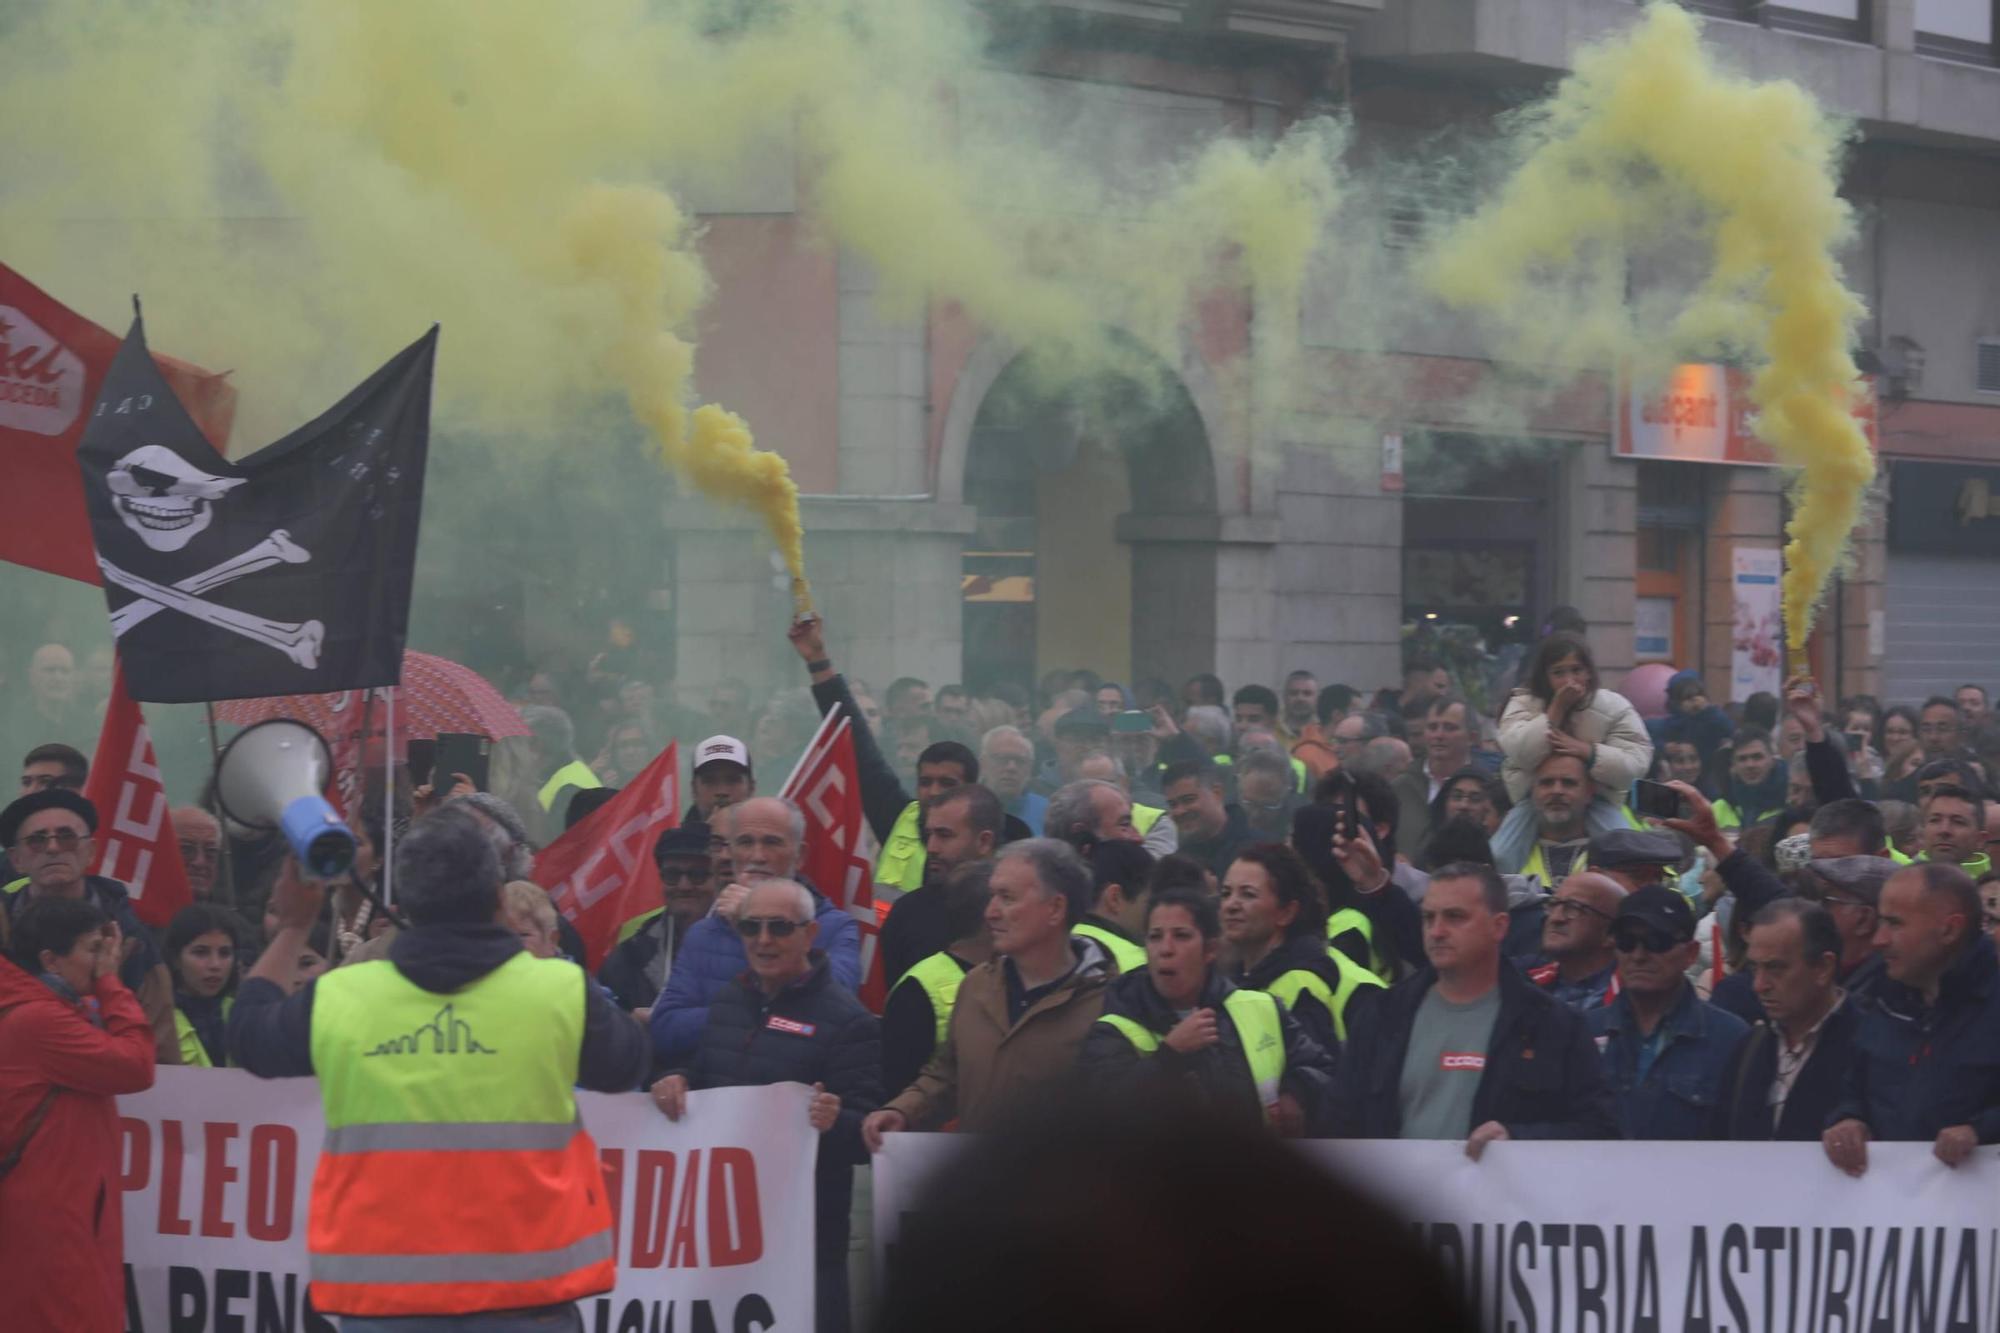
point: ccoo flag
(287, 572)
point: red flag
(601, 873)
(52, 362)
(826, 785)
(135, 839)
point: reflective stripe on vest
(575, 773)
(901, 864)
(1353, 918)
(1304, 981)
(1130, 957)
(938, 976)
(469, 1095)
(1303, 774)
(1258, 1030)
(1144, 817)
(1538, 866)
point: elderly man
(1469, 1049)
(1388, 757)
(1636, 857)
(1665, 1049)
(1787, 1078)
(472, 1121)
(1021, 1017)
(1209, 830)
(1351, 736)
(786, 1020)
(638, 968)
(1090, 811)
(1007, 759)
(50, 838)
(767, 836)
(1267, 794)
(1928, 1068)
(1582, 968)
(200, 837)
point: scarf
(67, 994)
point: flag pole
(224, 873)
(388, 852)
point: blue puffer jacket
(813, 1031)
(713, 957)
(1677, 1098)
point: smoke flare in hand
(1649, 141)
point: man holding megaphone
(447, 1073)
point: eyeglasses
(1631, 939)
(200, 851)
(777, 927)
(65, 839)
(692, 874)
(1565, 908)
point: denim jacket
(1678, 1096)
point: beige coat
(986, 1063)
(1608, 721)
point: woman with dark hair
(1471, 793)
(201, 955)
(72, 1038)
(1274, 927)
(1178, 1019)
(1564, 709)
(1902, 756)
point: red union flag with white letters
(135, 839)
(826, 785)
(601, 873)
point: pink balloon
(1646, 687)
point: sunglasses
(777, 927)
(674, 874)
(1632, 939)
(65, 839)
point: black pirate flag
(285, 573)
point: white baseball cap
(721, 749)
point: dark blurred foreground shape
(1097, 1214)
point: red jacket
(62, 1263)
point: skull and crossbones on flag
(284, 572)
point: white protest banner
(714, 1214)
(1657, 1237)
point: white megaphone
(270, 777)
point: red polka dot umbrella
(436, 695)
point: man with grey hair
(1020, 1018)
(558, 768)
(1386, 757)
(786, 1020)
(1209, 727)
(766, 841)
(1007, 762)
(1089, 811)
(457, 983)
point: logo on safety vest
(446, 1034)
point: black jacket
(1745, 1109)
(1918, 1069)
(1543, 1077)
(909, 1024)
(270, 1033)
(813, 1031)
(883, 796)
(1217, 852)
(624, 970)
(1219, 1074)
(1308, 953)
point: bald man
(1581, 971)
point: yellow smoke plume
(296, 187)
(1647, 142)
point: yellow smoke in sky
(296, 188)
(1649, 141)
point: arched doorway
(1058, 470)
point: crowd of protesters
(1297, 906)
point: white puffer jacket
(1608, 721)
